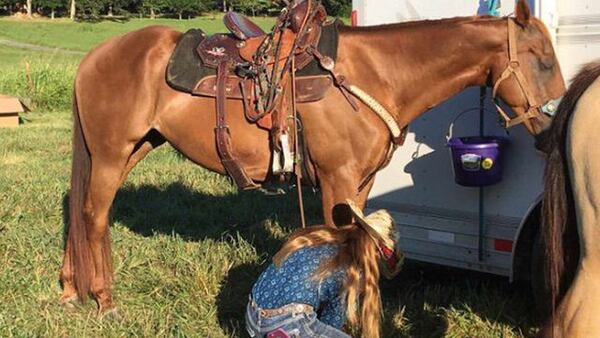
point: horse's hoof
(68, 300)
(110, 314)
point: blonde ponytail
(359, 256)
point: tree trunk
(29, 8)
(180, 15)
(152, 14)
(110, 12)
(52, 14)
(224, 6)
(73, 9)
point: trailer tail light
(354, 18)
(503, 245)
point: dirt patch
(23, 16)
(11, 159)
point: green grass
(187, 246)
(66, 34)
(42, 84)
(11, 57)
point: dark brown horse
(123, 108)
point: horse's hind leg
(107, 175)
(69, 293)
(105, 180)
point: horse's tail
(558, 221)
(77, 246)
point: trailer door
(578, 34)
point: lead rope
(298, 158)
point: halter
(514, 68)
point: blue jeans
(296, 325)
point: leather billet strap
(514, 69)
(223, 138)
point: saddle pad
(185, 67)
(328, 45)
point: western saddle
(260, 69)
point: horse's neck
(416, 66)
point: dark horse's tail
(77, 247)
(559, 224)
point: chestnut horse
(571, 214)
(123, 108)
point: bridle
(535, 108)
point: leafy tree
(119, 6)
(7, 6)
(52, 5)
(72, 10)
(153, 6)
(29, 9)
(189, 7)
(90, 8)
(252, 6)
(338, 7)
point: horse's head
(527, 75)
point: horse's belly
(188, 123)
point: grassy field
(187, 245)
(13, 58)
(70, 35)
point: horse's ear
(523, 13)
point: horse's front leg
(336, 187)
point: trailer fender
(523, 242)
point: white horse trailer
(439, 220)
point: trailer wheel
(539, 287)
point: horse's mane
(558, 220)
(419, 23)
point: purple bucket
(477, 160)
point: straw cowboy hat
(380, 226)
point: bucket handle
(451, 127)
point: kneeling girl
(321, 275)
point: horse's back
(130, 52)
(118, 82)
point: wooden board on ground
(10, 107)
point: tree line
(96, 9)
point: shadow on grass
(424, 296)
(232, 300)
(176, 209)
(88, 18)
(193, 215)
(417, 303)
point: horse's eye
(546, 63)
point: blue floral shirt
(293, 283)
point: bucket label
(470, 162)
